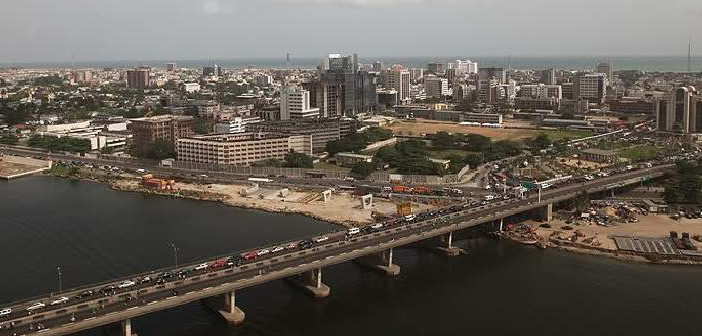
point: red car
(251, 256)
(219, 263)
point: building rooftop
(598, 151)
(161, 118)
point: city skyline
(216, 29)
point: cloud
(216, 7)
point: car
(305, 244)
(348, 178)
(145, 280)
(387, 189)
(251, 256)
(377, 226)
(291, 246)
(234, 261)
(263, 252)
(219, 263)
(321, 239)
(5, 312)
(166, 275)
(85, 294)
(410, 218)
(108, 290)
(183, 273)
(353, 231)
(277, 249)
(59, 301)
(160, 281)
(126, 284)
(35, 307)
(201, 267)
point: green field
(640, 153)
(329, 166)
(444, 154)
(556, 135)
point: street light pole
(60, 285)
(175, 254)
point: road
(88, 312)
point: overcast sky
(97, 30)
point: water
(644, 63)
(500, 288)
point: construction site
(345, 207)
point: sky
(101, 30)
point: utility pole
(175, 254)
(60, 285)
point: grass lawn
(555, 135)
(640, 153)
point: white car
(201, 267)
(377, 226)
(263, 252)
(5, 312)
(321, 239)
(35, 306)
(278, 249)
(291, 246)
(353, 231)
(59, 301)
(127, 284)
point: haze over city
(85, 30)
(350, 167)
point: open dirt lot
(652, 226)
(421, 126)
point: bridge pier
(311, 281)
(381, 261)
(123, 328)
(225, 305)
(442, 244)
(546, 213)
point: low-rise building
(236, 124)
(599, 155)
(241, 149)
(350, 159)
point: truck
(422, 190)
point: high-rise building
(82, 76)
(211, 71)
(436, 68)
(489, 81)
(398, 78)
(680, 111)
(171, 66)
(139, 78)
(548, 76)
(416, 73)
(608, 69)
(169, 128)
(295, 104)
(591, 87)
(465, 67)
(343, 89)
(378, 66)
(436, 87)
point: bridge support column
(225, 305)
(547, 213)
(127, 328)
(446, 245)
(381, 261)
(311, 281)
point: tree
(8, 139)
(582, 201)
(541, 141)
(457, 163)
(202, 126)
(364, 169)
(443, 140)
(298, 160)
(269, 163)
(473, 160)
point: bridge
(115, 302)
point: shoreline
(550, 242)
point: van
(5, 312)
(141, 170)
(353, 231)
(410, 217)
(488, 197)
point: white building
(436, 87)
(466, 67)
(191, 87)
(399, 78)
(236, 124)
(591, 87)
(295, 104)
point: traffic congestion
(130, 289)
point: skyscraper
(343, 89)
(489, 80)
(680, 111)
(607, 69)
(139, 78)
(171, 66)
(435, 87)
(398, 78)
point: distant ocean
(647, 63)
